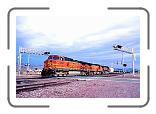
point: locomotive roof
(68, 59)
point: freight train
(57, 65)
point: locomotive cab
(52, 65)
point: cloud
(74, 33)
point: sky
(85, 38)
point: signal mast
(29, 51)
(126, 50)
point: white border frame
(97, 102)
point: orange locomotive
(57, 65)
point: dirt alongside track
(128, 88)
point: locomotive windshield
(55, 57)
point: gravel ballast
(87, 89)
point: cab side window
(61, 58)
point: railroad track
(36, 85)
